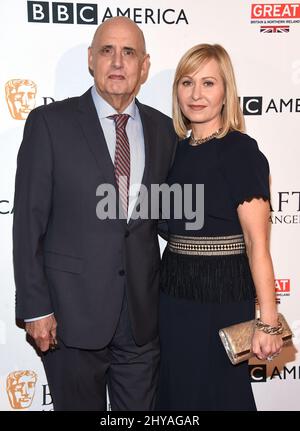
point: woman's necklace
(199, 141)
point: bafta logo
(20, 97)
(20, 387)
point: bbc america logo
(256, 105)
(257, 373)
(252, 105)
(260, 373)
(87, 13)
(62, 13)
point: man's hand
(43, 331)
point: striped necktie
(122, 159)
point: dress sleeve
(245, 170)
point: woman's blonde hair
(232, 116)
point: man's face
(21, 391)
(118, 62)
(21, 100)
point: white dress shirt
(135, 136)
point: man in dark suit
(87, 287)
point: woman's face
(201, 95)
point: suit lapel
(95, 139)
(89, 121)
(149, 140)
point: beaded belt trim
(207, 246)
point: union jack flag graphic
(274, 29)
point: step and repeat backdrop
(43, 58)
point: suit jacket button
(127, 233)
(122, 272)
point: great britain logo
(275, 18)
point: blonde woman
(211, 277)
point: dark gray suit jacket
(66, 260)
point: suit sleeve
(32, 206)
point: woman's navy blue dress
(201, 294)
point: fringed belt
(207, 246)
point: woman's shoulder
(238, 146)
(240, 149)
(235, 140)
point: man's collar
(104, 109)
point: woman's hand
(266, 346)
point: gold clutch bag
(237, 339)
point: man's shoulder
(152, 112)
(61, 107)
